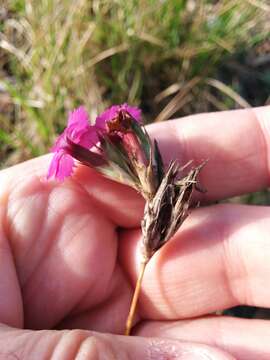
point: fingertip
(232, 141)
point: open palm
(69, 254)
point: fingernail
(170, 350)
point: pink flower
(78, 131)
(111, 113)
(116, 123)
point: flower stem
(135, 298)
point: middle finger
(218, 259)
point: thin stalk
(135, 298)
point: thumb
(87, 345)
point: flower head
(125, 143)
(78, 132)
(122, 148)
(119, 123)
(113, 112)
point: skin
(69, 255)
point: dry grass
(56, 54)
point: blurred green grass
(166, 56)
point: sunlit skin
(69, 253)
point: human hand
(69, 255)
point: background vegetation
(171, 57)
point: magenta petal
(65, 166)
(89, 138)
(107, 115)
(112, 112)
(83, 137)
(61, 166)
(60, 142)
(100, 122)
(135, 112)
(79, 117)
(79, 130)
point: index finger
(236, 144)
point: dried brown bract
(165, 213)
